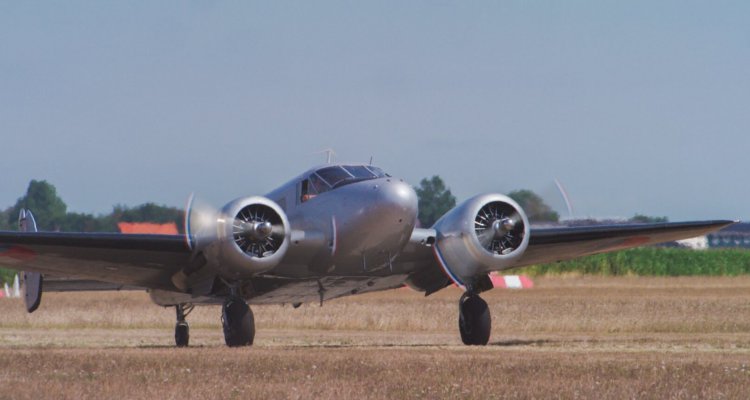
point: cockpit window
(318, 184)
(329, 178)
(360, 172)
(333, 175)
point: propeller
(499, 228)
(257, 230)
(201, 220)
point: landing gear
(474, 321)
(182, 329)
(238, 322)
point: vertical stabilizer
(32, 281)
(26, 221)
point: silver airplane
(334, 231)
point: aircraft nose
(401, 200)
(380, 223)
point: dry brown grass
(569, 337)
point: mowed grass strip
(584, 337)
(556, 304)
(366, 373)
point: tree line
(435, 199)
(51, 213)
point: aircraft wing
(145, 261)
(551, 245)
(558, 244)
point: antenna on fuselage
(330, 154)
(370, 160)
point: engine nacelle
(252, 236)
(485, 233)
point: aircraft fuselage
(351, 229)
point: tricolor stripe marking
(453, 277)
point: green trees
(49, 209)
(50, 213)
(4, 217)
(653, 261)
(435, 199)
(536, 209)
(6, 276)
(648, 219)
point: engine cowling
(485, 233)
(252, 236)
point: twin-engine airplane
(334, 231)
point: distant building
(147, 227)
(733, 236)
(696, 243)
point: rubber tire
(182, 334)
(474, 321)
(238, 323)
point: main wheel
(474, 321)
(238, 323)
(182, 334)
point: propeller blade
(201, 220)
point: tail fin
(32, 281)
(26, 221)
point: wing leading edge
(147, 261)
(558, 244)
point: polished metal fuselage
(343, 241)
(354, 229)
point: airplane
(336, 230)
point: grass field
(574, 337)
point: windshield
(377, 171)
(334, 176)
(359, 171)
(318, 185)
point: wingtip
(728, 222)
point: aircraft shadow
(520, 342)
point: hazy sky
(634, 106)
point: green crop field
(653, 261)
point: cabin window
(311, 187)
(318, 184)
(306, 191)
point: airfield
(568, 337)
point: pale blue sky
(635, 106)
